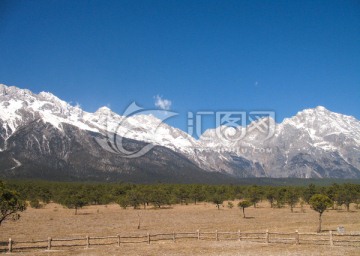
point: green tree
(145, 191)
(254, 194)
(123, 201)
(218, 199)
(73, 198)
(134, 198)
(291, 198)
(244, 204)
(35, 203)
(196, 193)
(346, 195)
(182, 194)
(97, 194)
(230, 205)
(270, 195)
(320, 203)
(10, 203)
(280, 197)
(44, 195)
(331, 192)
(309, 192)
(159, 196)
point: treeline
(77, 195)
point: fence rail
(330, 238)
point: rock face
(44, 137)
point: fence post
(297, 237)
(148, 238)
(10, 245)
(119, 239)
(239, 235)
(49, 243)
(331, 238)
(216, 235)
(87, 241)
(174, 237)
(267, 236)
(198, 234)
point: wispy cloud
(161, 103)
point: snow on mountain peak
(321, 108)
(320, 116)
(103, 111)
(47, 96)
(14, 92)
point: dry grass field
(58, 222)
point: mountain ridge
(315, 143)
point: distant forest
(77, 195)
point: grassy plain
(58, 222)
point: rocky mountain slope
(42, 136)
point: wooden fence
(330, 238)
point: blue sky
(210, 55)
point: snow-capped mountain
(315, 143)
(20, 106)
(42, 136)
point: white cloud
(161, 103)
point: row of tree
(14, 195)
(76, 195)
